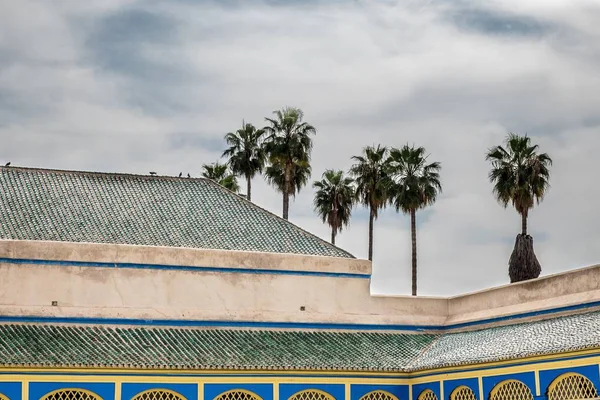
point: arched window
(511, 390)
(158, 394)
(311, 394)
(463, 393)
(71, 394)
(572, 386)
(378, 395)
(427, 394)
(238, 394)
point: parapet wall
(137, 283)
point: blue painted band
(210, 323)
(180, 268)
(284, 325)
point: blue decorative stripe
(212, 323)
(284, 325)
(181, 268)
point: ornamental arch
(71, 394)
(378, 395)
(311, 394)
(571, 386)
(238, 394)
(511, 390)
(463, 393)
(427, 394)
(158, 394)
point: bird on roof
(7, 164)
(180, 174)
(189, 176)
(152, 173)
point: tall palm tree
(220, 174)
(521, 176)
(415, 185)
(369, 172)
(288, 145)
(246, 153)
(334, 199)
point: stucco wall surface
(119, 281)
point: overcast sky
(138, 86)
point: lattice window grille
(311, 395)
(72, 394)
(158, 394)
(512, 390)
(378, 395)
(427, 395)
(573, 387)
(463, 393)
(237, 395)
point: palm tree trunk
(286, 190)
(286, 205)
(524, 223)
(413, 231)
(333, 235)
(371, 219)
(248, 187)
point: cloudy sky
(135, 86)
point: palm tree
(288, 145)
(521, 176)
(220, 174)
(415, 185)
(334, 199)
(246, 154)
(372, 183)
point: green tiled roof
(221, 349)
(550, 336)
(69, 206)
(38, 345)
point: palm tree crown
(369, 172)
(246, 153)
(288, 145)
(300, 176)
(414, 185)
(221, 175)
(520, 174)
(334, 199)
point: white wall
(109, 291)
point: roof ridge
(102, 173)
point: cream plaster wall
(111, 292)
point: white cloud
(142, 86)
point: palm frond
(414, 184)
(518, 173)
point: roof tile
(70, 206)
(229, 349)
